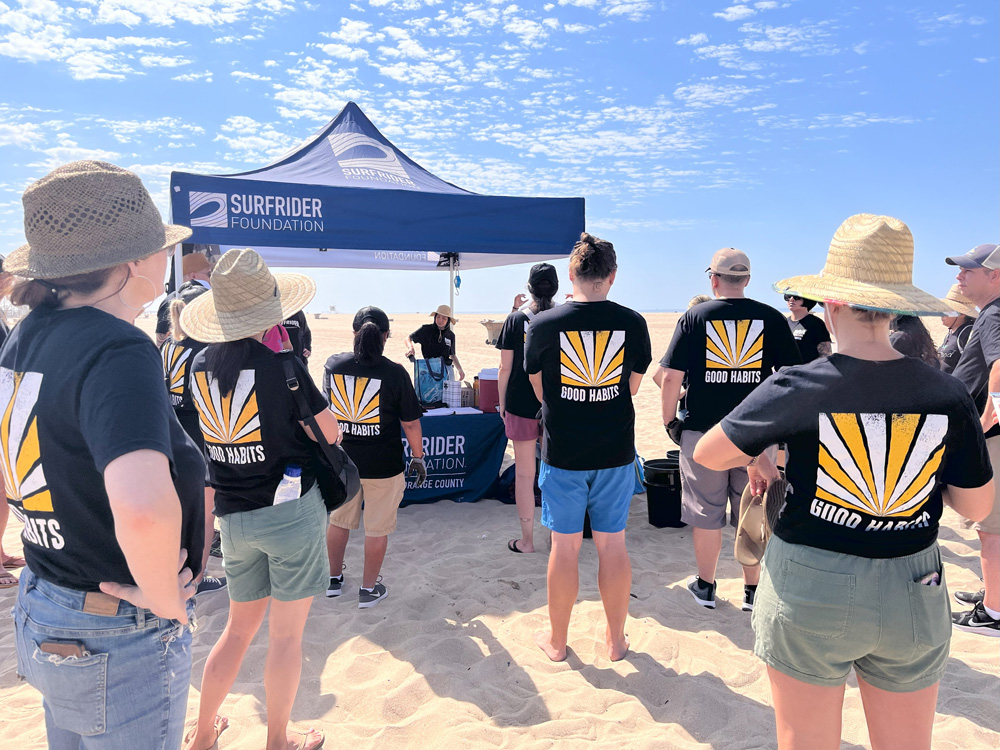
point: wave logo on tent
(212, 208)
(363, 158)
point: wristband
(753, 461)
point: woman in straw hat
(262, 464)
(437, 339)
(89, 441)
(959, 324)
(877, 444)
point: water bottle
(291, 485)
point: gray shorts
(277, 551)
(990, 524)
(706, 493)
(819, 613)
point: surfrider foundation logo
(227, 420)
(591, 364)
(216, 203)
(881, 465)
(734, 351)
(364, 158)
(354, 401)
(175, 364)
(21, 460)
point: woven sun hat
(870, 266)
(85, 216)
(446, 311)
(730, 261)
(959, 303)
(245, 299)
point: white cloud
(694, 39)
(344, 51)
(128, 131)
(243, 75)
(633, 10)
(577, 28)
(206, 76)
(354, 32)
(250, 141)
(712, 95)
(163, 61)
(20, 134)
(736, 13)
(766, 5)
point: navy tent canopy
(348, 198)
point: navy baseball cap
(975, 258)
(371, 315)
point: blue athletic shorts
(604, 493)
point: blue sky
(687, 125)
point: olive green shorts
(277, 551)
(818, 613)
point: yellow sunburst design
(231, 419)
(734, 344)
(354, 398)
(175, 363)
(591, 358)
(21, 460)
(879, 464)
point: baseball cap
(541, 274)
(730, 261)
(373, 315)
(977, 257)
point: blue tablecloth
(463, 453)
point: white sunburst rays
(592, 358)
(19, 438)
(878, 466)
(228, 419)
(354, 398)
(175, 360)
(734, 343)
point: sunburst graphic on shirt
(231, 419)
(734, 344)
(175, 364)
(354, 398)
(880, 464)
(21, 460)
(591, 358)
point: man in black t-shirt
(979, 369)
(585, 361)
(299, 335)
(725, 348)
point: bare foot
(543, 639)
(617, 651)
(207, 739)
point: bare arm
(717, 452)
(670, 391)
(989, 415)
(634, 381)
(506, 366)
(535, 379)
(974, 503)
(328, 425)
(409, 347)
(415, 437)
(461, 372)
(658, 376)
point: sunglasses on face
(792, 297)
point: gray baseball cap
(977, 257)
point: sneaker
(970, 597)
(209, 584)
(336, 587)
(216, 549)
(976, 621)
(749, 592)
(370, 597)
(703, 593)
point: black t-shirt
(983, 349)
(586, 352)
(298, 333)
(520, 397)
(177, 357)
(869, 445)
(253, 434)
(187, 292)
(434, 342)
(80, 388)
(370, 403)
(727, 347)
(953, 345)
(809, 333)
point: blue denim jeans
(130, 687)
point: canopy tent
(348, 198)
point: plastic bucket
(663, 490)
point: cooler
(489, 391)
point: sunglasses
(792, 296)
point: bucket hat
(959, 303)
(245, 299)
(446, 311)
(86, 216)
(758, 516)
(869, 265)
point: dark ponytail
(542, 293)
(368, 344)
(32, 293)
(592, 259)
(224, 362)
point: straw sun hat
(446, 311)
(869, 265)
(245, 299)
(85, 216)
(958, 302)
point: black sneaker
(216, 549)
(370, 597)
(703, 593)
(749, 592)
(976, 621)
(336, 587)
(970, 597)
(209, 584)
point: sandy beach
(448, 660)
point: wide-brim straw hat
(446, 311)
(959, 303)
(245, 299)
(870, 266)
(86, 216)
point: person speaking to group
(437, 339)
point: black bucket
(663, 490)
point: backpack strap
(292, 381)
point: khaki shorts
(818, 613)
(990, 524)
(380, 498)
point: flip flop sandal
(512, 546)
(14, 561)
(220, 724)
(305, 744)
(9, 580)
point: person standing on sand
(959, 324)
(725, 348)
(585, 360)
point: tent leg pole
(451, 285)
